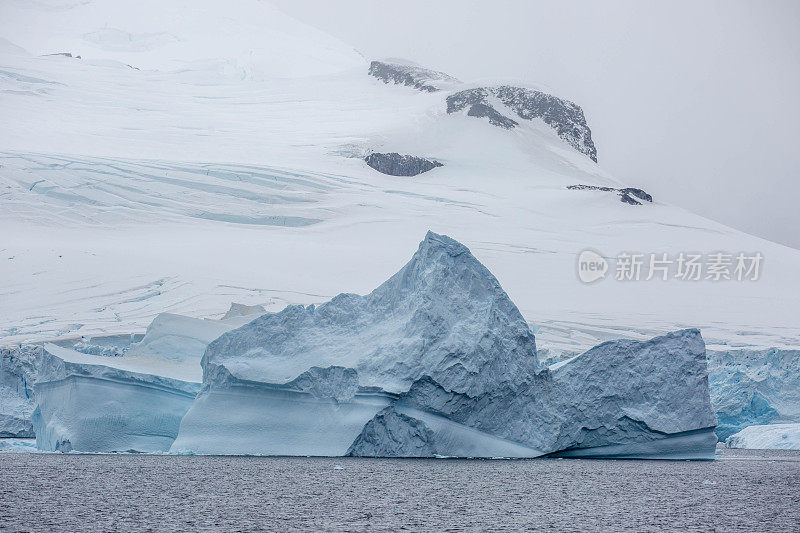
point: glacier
(439, 361)
(754, 387)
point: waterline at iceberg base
(437, 361)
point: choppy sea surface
(745, 490)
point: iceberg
(767, 437)
(109, 393)
(97, 408)
(439, 361)
(442, 315)
(174, 344)
(620, 399)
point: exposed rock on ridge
(395, 164)
(565, 117)
(420, 78)
(628, 195)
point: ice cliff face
(637, 394)
(754, 387)
(495, 103)
(18, 373)
(96, 408)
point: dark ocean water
(744, 490)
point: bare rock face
(628, 195)
(475, 101)
(497, 104)
(565, 117)
(395, 164)
(419, 78)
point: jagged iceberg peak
(442, 315)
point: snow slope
(173, 168)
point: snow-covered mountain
(175, 156)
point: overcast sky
(696, 102)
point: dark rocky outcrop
(477, 104)
(64, 54)
(422, 79)
(395, 164)
(565, 117)
(562, 115)
(628, 195)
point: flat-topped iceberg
(109, 393)
(439, 361)
(97, 408)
